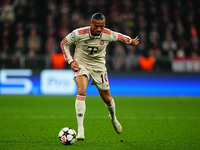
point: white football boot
(80, 135)
(116, 125)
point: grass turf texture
(149, 123)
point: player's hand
(135, 41)
(75, 66)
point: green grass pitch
(149, 123)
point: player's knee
(81, 92)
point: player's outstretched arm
(135, 41)
(75, 66)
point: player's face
(97, 27)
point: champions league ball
(67, 136)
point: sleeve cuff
(70, 62)
(130, 41)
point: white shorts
(99, 78)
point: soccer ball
(67, 136)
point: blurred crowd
(166, 28)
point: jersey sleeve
(115, 36)
(70, 39)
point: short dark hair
(98, 16)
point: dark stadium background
(166, 62)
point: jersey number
(104, 77)
(92, 50)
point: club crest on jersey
(101, 42)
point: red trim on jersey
(123, 38)
(80, 98)
(83, 31)
(101, 35)
(90, 35)
(106, 31)
(62, 43)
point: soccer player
(89, 61)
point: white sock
(111, 109)
(80, 110)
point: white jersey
(90, 50)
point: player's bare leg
(110, 105)
(81, 82)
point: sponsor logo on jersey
(114, 35)
(101, 42)
(73, 35)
